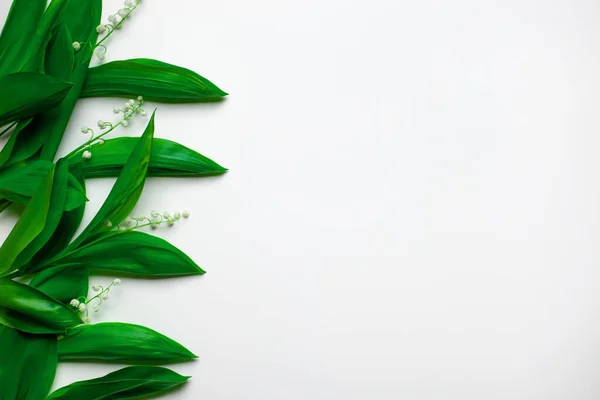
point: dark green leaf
(19, 183)
(25, 94)
(60, 55)
(115, 341)
(29, 310)
(18, 31)
(63, 282)
(29, 226)
(126, 383)
(167, 159)
(57, 196)
(134, 253)
(27, 364)
(126, 191)
(154, 80)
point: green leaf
(27, 364)
(81, 19)
(66, 229)
(126, 383)
(25, 94)
(134, 253)
(167, 159)
(19, 183)
(75, 194)
(154, 80)
(27, 309)
(115, 341)
(60, 55)
(126, 190)
(19, 28)
(29, 226)
(57, 197)
(63, 282)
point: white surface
(412, 207)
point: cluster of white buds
(81, 304)
(115, 21)
(156, 218)
(131, 108)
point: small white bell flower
(76, 46)
(112, 19)
(74, 303)
(117, 282)
(171, 222)
(101, 57)
(167, 214)
(87, 320)
(86, 155)
(131, 102)
(177, 215)
(85, 129)
(96, 308)
(185, 213)
(100, 141)
(143, 113)
(123, 12)
(140, 99)
(128, 3)
(96, 288)
(128, 221)
(101, 28)
(125, 123)
(154, 214)
(116, 110)
(101, 124)
(108, 224)
(104, 296)
(82, 307)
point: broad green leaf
(63, 282)
(27, 364)
(27, 309)
(25, 94)
(60, 55)
(66, 229)
(154, 80)
(115, 341)
(29, 226)
(57, 197)
(126, 190)
(127, 383)
(75, 194)
(18, 183)
(18, 31)
(167, 159)
(133, 253)
(80, 17)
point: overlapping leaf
(126, 383)
(27, 309)
(63, 282)
(120, 342)
(154, 80)
(167, 159)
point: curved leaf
(63, 282)
(154, 80)
(27, 364)
(167, 159)
(134, 253)
(29, 310)
(25, 94)
(126, 383)
(114, 341)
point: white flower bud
(87, 320)
(96, 288)
(82, 307)
(125, 123)
(123, 12)
(128, 221)
(96, 308)
(166, 214)
(116, 110)
(154, 226)
(85, 129)
(112, 19)
(171, 222)
(185, 213)
(101, 28)
(104, 296)
(154, 214)
(108, 224)
(117, 282)
(74, 303)
(76, 46)
(143, 113)
(141, 217)
(177, 215)
(86, 155)
(101, 124)
(101, 57)
(128, 3)
(100, 141)
(140, 99)
(130, 102)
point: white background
(411, 210)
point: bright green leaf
(154, 80)
(27, 364)
(63, 282)
(126, 383)
(27, 309)
(115, 341)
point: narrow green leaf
(126, 191)
(115, 341)
(154, 80)
(126, 383)
(167, 159)
(57, 198)
(19, 29)
(63, 282)
(27, 364)
(60, 55)
(25, 94)
(27, 309)
(29, 226)
(134, 253)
